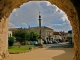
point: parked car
(33, 42)
(54, 41)
(44, 41)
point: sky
(28, 15)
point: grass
(16, 49)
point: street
(59, 45)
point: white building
(57, 36)
(9, 33)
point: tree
(33, 36)
(21, 36)
(10, 41)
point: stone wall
(3, 38)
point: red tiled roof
(56, 33)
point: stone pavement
(45, 54)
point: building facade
(57, 36)
(70, 36)
(46, 32)
(9, 33)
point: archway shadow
(62, 53)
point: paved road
(59, 45)
(45, 54)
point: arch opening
(42, 13)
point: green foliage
(33, 36)
(21, 36)
(27, 42)
(10, 41)
(17, 49)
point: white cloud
(28, 14)
(24, 24)
(14, 10)
(11, 25)
(56, 24)
(61, 27)
(48, 3)
(64, 18)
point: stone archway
(70, 7)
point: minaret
(39, 25)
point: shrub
(10, 41)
